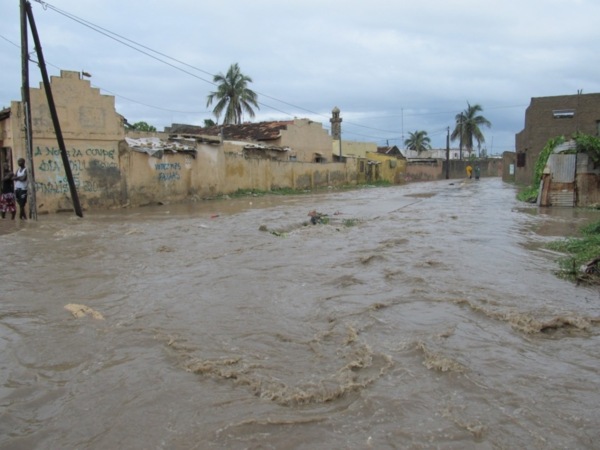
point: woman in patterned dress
(7, 197)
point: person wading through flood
(469, 171)
(7, 198)
(21, 188)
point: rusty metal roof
(261, 131)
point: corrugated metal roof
(562, 198)
(261, 131)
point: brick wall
(550, 117)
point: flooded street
(421, 316)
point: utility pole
(448, 153)
(402, 127)
(461, 136)
(53, 113)
(26, 102)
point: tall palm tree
(233, 95)
(468, 123)
(418, 141)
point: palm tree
(418, 141)
(468, 124)
(233, 95)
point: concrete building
(550, 117)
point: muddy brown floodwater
(421, 316)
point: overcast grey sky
(391, 66)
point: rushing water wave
(419, 316)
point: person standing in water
(7, 197)
(469, 171)
(21, 188)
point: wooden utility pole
(461, 135)
(448, 153)
(53, 113)
(26, 102)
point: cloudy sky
(391, 66)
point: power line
(141, 48)
(110, 92)
(138, 47)
(162, 56)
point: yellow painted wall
(177, 177)
(108, 173)
(390, 168)
(353, 149)
(307, 138)
(91, 129)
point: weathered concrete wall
(354, 149)
(179, 176)
(436, 169)
(424, 171)
(509, 166)
(91, 129)
(150, 180)
(264, 175)
(307, 139)
(95, 168)
(391, 169)
(587, 181)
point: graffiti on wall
(61, 186)
(83, 163)
(168, 171)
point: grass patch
(289, 191)
(378, 183)
(528, 194)
(260, 193)
(580, 251)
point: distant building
(391, 151)
(435, 153)
(550, 117)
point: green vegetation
(260, 193)
(530, 194)
(233, 96)
(290, 191)
(584, 143)
(378, 183)
(580, 251)
(418, 141)
(468, 127)
(142, 126)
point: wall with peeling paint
(108, 173)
